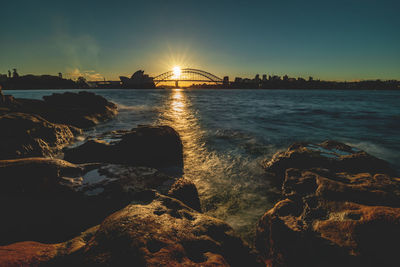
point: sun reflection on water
(225, 192)
(179, 114)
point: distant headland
(140, 80)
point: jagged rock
(332, 219)
(27, 135)
(152, 146)
(83, 109)
(42, 176)
(331, 155)
(32, 254)
(91, 151)
(50, 200)
(160, 232)
(186, 191)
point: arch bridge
(187, 75)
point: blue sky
(332, 40)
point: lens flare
(177, 72)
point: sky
(331, 40)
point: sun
(177, 72)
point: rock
(159, 232)
(60, 199)
(27, 135)
(91, 151)
(152, 146)
(186, 191)
(83, 109)
(27, 253)
(331, 155)
(30, 253)
(362, 188)
(42, 176)
(332, 219)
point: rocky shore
(108, 201)
(339, 207)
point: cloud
(89, 75)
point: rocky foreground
(110, 204)
(340, 207)
(42, 128)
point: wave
(376, 150)
(122, 107)
(231, 134)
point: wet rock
(129, 181)
(160, 232)
(331, 155)
(31, 253)
(60, 199)
(27, 135)
(42, 176)
(332, 219)
(152, 146)
(91, 151)
(186, 191)
(83, 109)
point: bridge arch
(188, 75)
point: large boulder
(335, 214)
(186, 191)
(160, 231)
(27, 135)
(152, 146)
(331, 155)
(83, 109)
(33, 254)
(51, 200)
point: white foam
(93, 177)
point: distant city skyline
(335, 40)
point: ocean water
(227, 133)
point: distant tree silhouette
(81, 82)
(15, 73)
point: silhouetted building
(60, 75)
(238, 80)
(138, 80)
(264, 77)
(226, 81)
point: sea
(227, 134)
